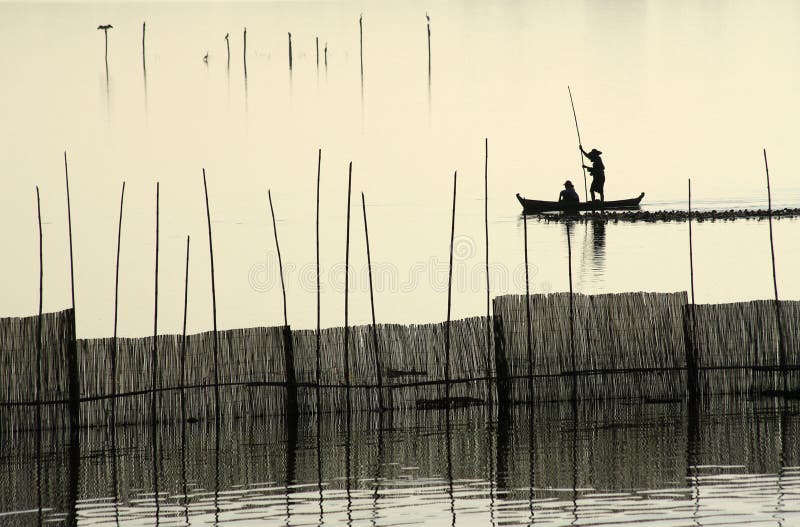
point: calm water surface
(725, 462)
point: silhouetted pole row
(115, 342)
(450, 292)
(781, 347)
(372, 308)
(347, 285)
(154, 356)
(213, 302)
(577, 129)
(290, 50)
(183, 333)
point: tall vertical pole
(213, 303)
(39, 319)
(244, 52)
(691, 349)
(781, 344)
(72, 352)
(372, 308)
(228, 48)
(429, 45)
(316, 45)
(69, 227)
(144, 59)
(290, 50)
(115, 343)
(347, 284)
(183, 333)
(450, 293)
(280, 261)
(488, 296)
(319, 321)
(154, 356)
(528, 345)
(361, 44)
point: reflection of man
(597, 170)
(568, 195)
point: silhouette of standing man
(597, 171)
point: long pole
(361, 43)
(781, 347)
(691, 255)
(691, 361)
(183, 334)
(154, 357)
(347, 283)
(39, 319)
(290, 50)
(244, 52)
(528, 345)
(115, 344)
(429, 45)
(280, 261)
(144, 61)
(228, 47)
(577, 129)
(450, 291)
(69, 226)
(316, 44)
(318, 334)
(372, 308)
(488, 297)
(213, 302)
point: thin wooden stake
(213, 300)
(69, 226)
(280, 261)
(372, 307)
(228, 48)
(319, 320)
(528, 337)
(326, 56)
(781, 347)
(691, 255)
(316, 43)
(183, 333)
(428, 18)
(144, 60)
(115, 343)
(290, 50)
(41, 301)
(361, 43)
(691, 350)
(488, 295)
(244, 52)
(154, 357)
(347, 283)
(450, 291)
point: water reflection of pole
(74, 475)
(319, 464)
(216, 471)
(571, 314)
(574, 405)
(291, 461)
(450, 465)
(531, 463)
(347, 454)
(692, 452)
(378, 469)
(781, 346)
(528, 345)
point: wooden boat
(535, 206)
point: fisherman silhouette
(568, 195)
(597, 171)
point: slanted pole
(154, 356)
(488, 295)
(378, 372)
(450, 293)
(347, 284)
(213, 301)
(72, 352)
(319, 321)
(39, 319)
(528, 339)
(691, 350)
(183, 334)
(781, 344)
(580, 145)
(115, 342)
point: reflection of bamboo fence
(630, 345)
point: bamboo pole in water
(781, 347)
(115, 343)
(488, 295)
(183, 334)
(228, 48)
(428, 18)
(326, 56)
(528, 345)
(361, 43)
(347, 283)
(280, 261)
(450, 291)
(318, 333)
(213, 301)
(72, 353)
(41, 299)
(144, 60)
(69, 227)
(290, 50)
(575, 116)
(691, 359)
(244, 52)
(154, 356)
(372, 308)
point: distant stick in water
(244, 52)
(290, 50)
(205, 58)
(781, 346)
(228, 47)
(144, 59)
(316, 42)
(429, 45)
(361, 43)
(105, 28)
(326, 56)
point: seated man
(568, 195)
